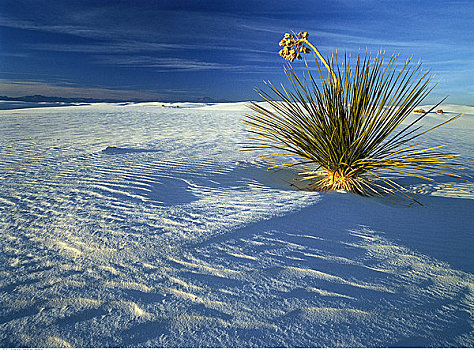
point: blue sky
(186, 50)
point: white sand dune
(173, 238)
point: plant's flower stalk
(294, 44)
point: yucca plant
(348, 126)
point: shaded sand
(175, 239)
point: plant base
(333, 181)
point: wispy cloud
(453, 63)
(105, 47)
(15, 54)
(111, 47)
(327, 36)
(17, 88)
(64, 29)
(168, 64)
(61, 26)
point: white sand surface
(174, 238)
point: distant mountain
(41, 98)
(207, 99)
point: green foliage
(349, 126)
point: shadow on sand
(123, 150)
